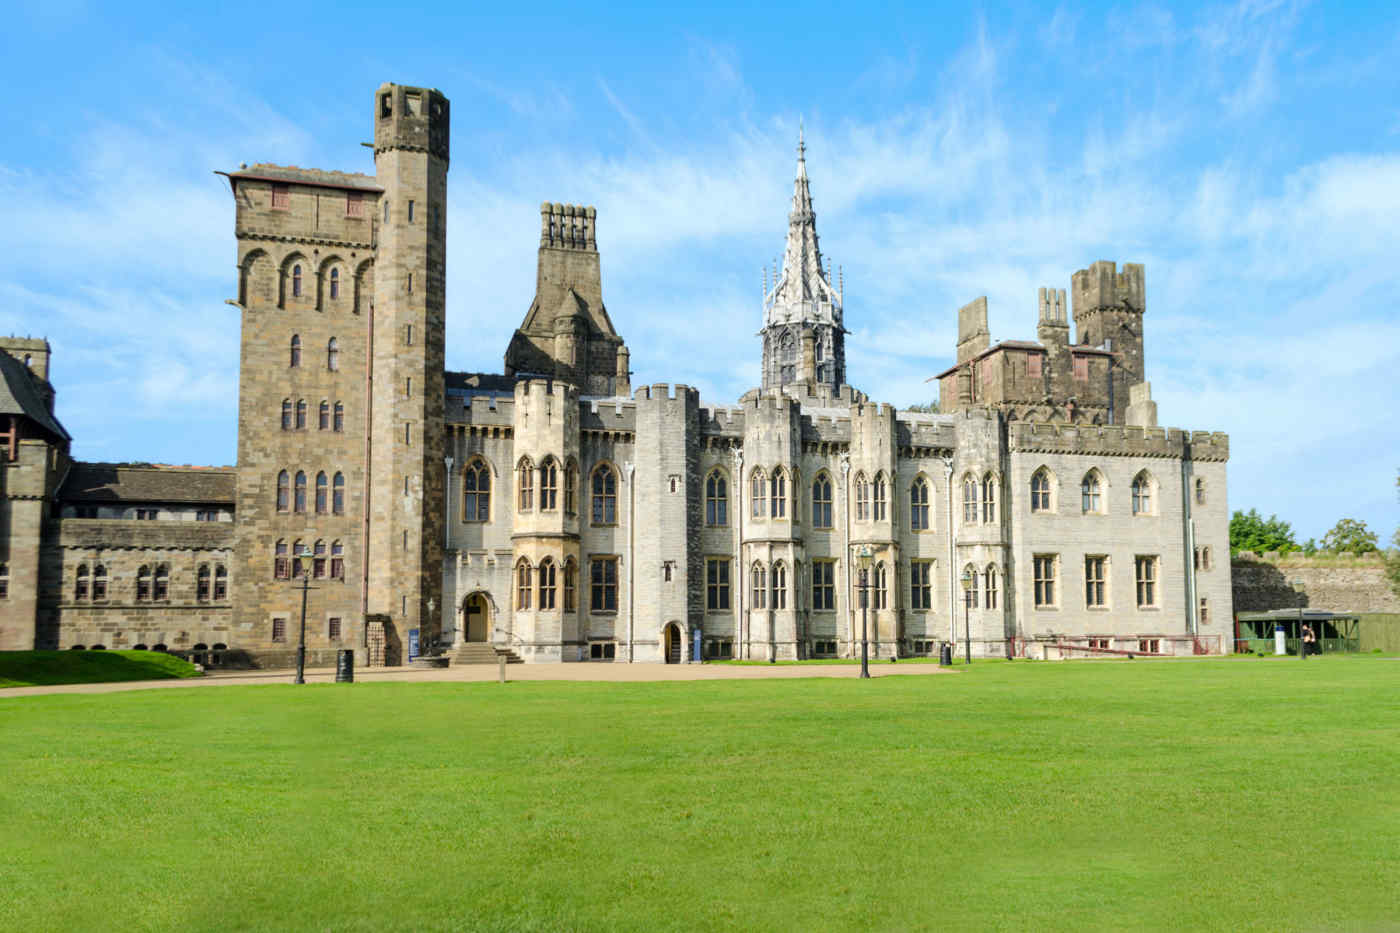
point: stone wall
(1341, 583)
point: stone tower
(1108, 309)
(406, 473)
(804, 340)
(567, 334)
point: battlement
(1103, 286)
(568, 226)
(726, 420)
(411, 118)
(1052, 307)
(973, 335)
(533, 391)
(663, 391)
(602, 414)
(1117, 441)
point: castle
(552, 512)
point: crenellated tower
(804, 340)
(1108, 309)
(567, 334)
(406, 470)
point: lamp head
(863, 556)
(966, 579)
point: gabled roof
(20, 395)
(149, 482)
(1074, 350)
(318, 178)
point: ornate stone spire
(802, 292)
(802, 314)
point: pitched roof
(293, 174)
(148, 482)
(20, 395)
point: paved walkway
(476, 673)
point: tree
(1249, 531)
(1392, 559)
(1349, 536)
(930, 409)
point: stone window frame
(1043, 491)
(1096, 582)
(778, 493)
(991, 586)
(920, 511)
(862, 496)
(570, 486)
(1144, 494)
(971, 502)
(99, 583)
(758, 492)
(337, 560)
(603, 595)
(81, 584)
(718, 583)
(823, 584)
(204, 583)
(1147, 575)
(880, 585)
(990, 481)
(570, 585)
(879, 488)
(604, 485)
(823, 501)
(524, 484)
(549, 484)
(286, 414)
(279, 629)
(338, 417)
(921, 584)
(1203, 611)
(1093, 493)
(548, 574)
(779, 585)
(717, 498)
(143, 583)
(758, 586)
(220, 583)
(301, 409)
(524, 584)
(1200, 490)
(294, 357)
(602, 651)
(476, 490)
(972, 596)
(1045, 579)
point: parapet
(663, 391)
(569, 226)
(1103, 286)
(1116, 441)
(533, 391)
(973, 336)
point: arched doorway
(476, 617)
(675, 643)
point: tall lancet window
(787, 359)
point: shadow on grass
(46, 668)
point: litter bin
(345, 666)
(945, 655)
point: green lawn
(42, 668)
(1227, 795)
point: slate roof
(320, 178)
(149, 482)
(491, 382)
(20, 395)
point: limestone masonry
(553, 512)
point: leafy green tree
(1392, 559)
(1249, 531)
(1310, 547)
(930, 409)
(1349, 536)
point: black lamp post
(967, 614)
(301, 639)
(863, 561)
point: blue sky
(1248, 154)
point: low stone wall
(1336, 582)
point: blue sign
(412, 644)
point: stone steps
(483, 653)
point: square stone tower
(407, 475)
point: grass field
(45, 668)
(1227, 795)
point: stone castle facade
(554, 513)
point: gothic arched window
(1091, 493)
(286, 414)
(547, 584)
(821, 501)
(1142, 494)
(301, 414)
(284, 487)
(758, 492)
(918, 505)
(323, 418)
(759, 578)
(522, 584)
(322, 486)
(779, 585)
(332, 355)
(969, 499)
(862, 498)
(525, 481)
(296, 351)
(338, 421)
(335, 284)
(604, 495)
(338, 494)
(778, 491)
(989, 498)
(549, 487)
(716, 499)
(1040, 491)
(878, 498)
(296, 281)
(476, 492)
(299, 493)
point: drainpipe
(1192, 620)
(365, 483)
(846, 550)
(952, 571)
(631, 563)
(456, 636)
(738, 452)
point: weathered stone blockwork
(556, 512)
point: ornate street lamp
(967, 613)
(863, 562)
(305, 556)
